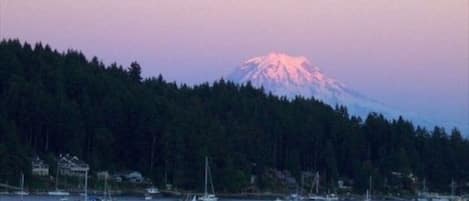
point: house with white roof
(39, 167)
(71, 165)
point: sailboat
(332, 197)
(21, 192)
(58, 192)
(106, 191)
(189, 197)
(207, 196)
(368, 196)
(315, 196)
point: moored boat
(57, 191)
(152, 190)
(207, 196)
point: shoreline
(239, 196)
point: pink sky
(409, 54)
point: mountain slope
(291, 76)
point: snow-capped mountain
(291, 76)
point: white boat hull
(21, 193)
(58, 193)
(208, 198)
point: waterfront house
(39, 167)
(72, 166)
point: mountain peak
(279, 68)
(291, 76)
(280, 59)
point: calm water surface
(75, 198)
(80, 198)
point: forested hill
(52, 102)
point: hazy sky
(408, 54)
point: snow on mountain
(291, 76)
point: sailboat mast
(317, 183)
(302, 183)
(453, 185)
(105, 187)
(57, 178)
(22, 182)
(371, 185)
(206, 175)
(22, 186)
(424, 185)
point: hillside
(52, 102)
